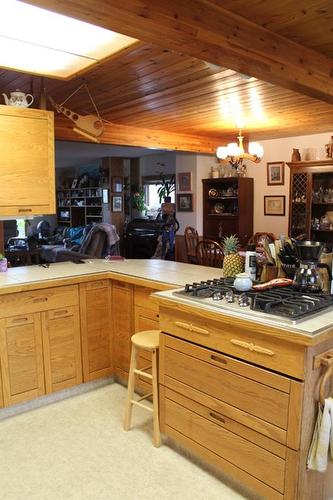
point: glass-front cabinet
(311, 200)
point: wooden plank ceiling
(149, 86)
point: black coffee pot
(307, 277)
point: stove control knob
(243, 300)
(229, 296)
(217, 295)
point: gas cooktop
(281, 303)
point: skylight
(38, 41)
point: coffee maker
(307, 277)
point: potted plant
(3, 263)
(138, 200)
(168, 185)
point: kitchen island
(239, 392)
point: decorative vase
(295, 155)
(3, 265)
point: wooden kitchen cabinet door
(62, 348)
(96, 329)
(21, 356)
(27, 162)
(123, 326)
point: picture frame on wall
(275, 173)
(117, 203)
(117, 184)
(275, 205)
(185, 202)
(184, 181)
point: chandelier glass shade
(234, 153)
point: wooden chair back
(209, 253)
(191, 240)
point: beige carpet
(76, 449)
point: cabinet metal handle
(217, 417)
(40, 299)
(25, 209)
(20, 320)
(157, 315)
(191, 328)
(252, 347)
(218, 359)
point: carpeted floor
(75, 449)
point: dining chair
(209, 253)
(191, 240)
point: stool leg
(130, 389)
(156, 431)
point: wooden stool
(148, 340)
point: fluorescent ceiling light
(35, 40)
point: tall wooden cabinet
(311, 196)
(27, 162)
(228, 208)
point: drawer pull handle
(60, 313)
(218, 359)
(157, 315)
(217, 417)
(252, 347)
(40, 299)
(25, 209)
(191, 328)
(20, 320)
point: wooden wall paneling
(242, 45)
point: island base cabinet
(62, 348)
(21, 355)
(96, 328)
(123, 326)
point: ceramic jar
(295, 155)
(243, 282)
(3, 265)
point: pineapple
(233, 263)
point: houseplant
(167, 186)
(138, 199)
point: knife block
(268, 273)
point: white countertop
(154, 270)
(173, 273)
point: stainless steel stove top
(280, 305)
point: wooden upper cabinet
(96, 329)
(27, 162)
(62, 348)
(21, 356)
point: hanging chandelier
(234, 153)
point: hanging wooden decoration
(90, 126)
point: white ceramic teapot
(18, 99)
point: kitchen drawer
(223, 437)
(228, 336)
(142, 298)
(233, 382)
(14, 304)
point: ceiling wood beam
(205, 30)
(137, 136)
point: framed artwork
(274, 205)
(117, 203)
(275, 173)
(117, 184)
(184, 181)
(185, 202)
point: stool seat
(148, 339)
